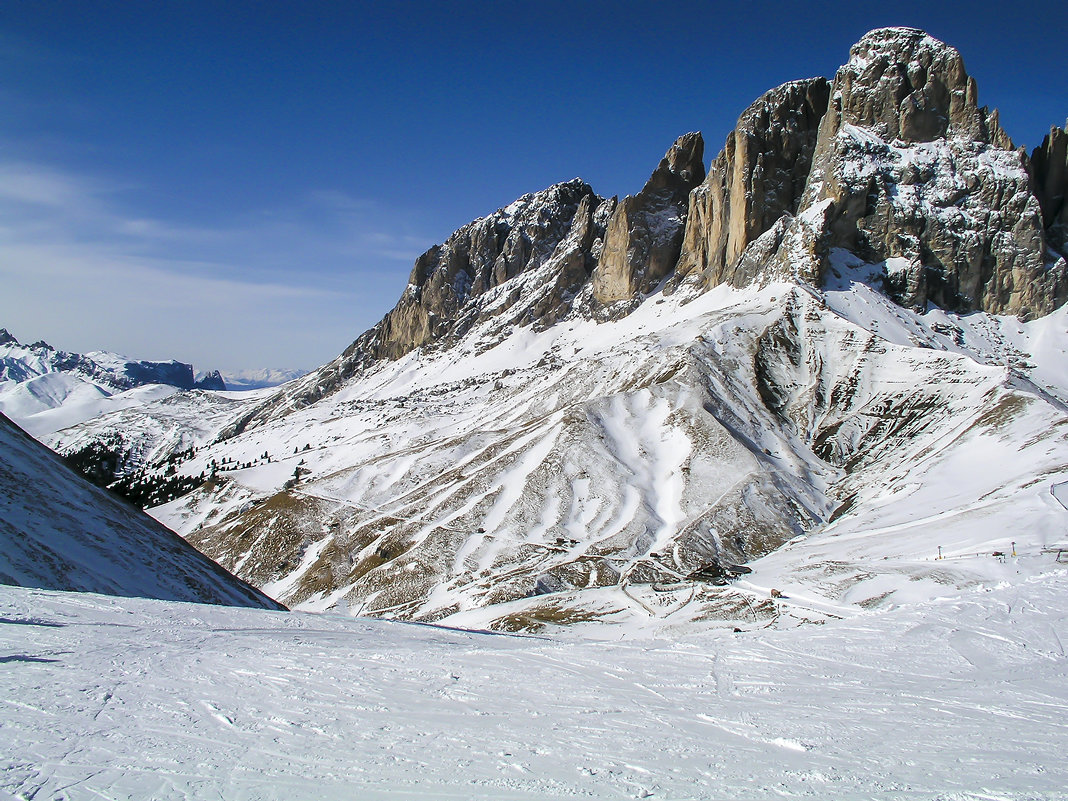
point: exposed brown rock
(449, 283)
(478, 257)
(758, 177)
(644, 235)
(573, 262)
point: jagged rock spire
(1050, 170)
(644, 235)
(757, 178)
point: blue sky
(247, 184)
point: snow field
(961, 698)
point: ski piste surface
(955, 698)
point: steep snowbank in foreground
(60, 532)
(957, 699)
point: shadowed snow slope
(57, 531)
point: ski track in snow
(959, 698)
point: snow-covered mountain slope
(139, 432)
(587, 470)
(57, 531)
(123, 698)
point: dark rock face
(758, 177)
(175, 374)
(212, 380)
(644, 235)
(1049, 164)
(907, 167)
(572, 263)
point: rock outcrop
(1049, 164)
(477, 258)
(644, 236)
(212, 380)
(908, 167)
(758, 177)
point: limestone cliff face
(907, 167)
(644, 235)
(758, 177)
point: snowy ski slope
(960, 698)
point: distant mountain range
(46, 389)
(263, 378)
(20, 363)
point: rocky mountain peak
(758, 177)
(894, 165)
(682, 165)
(212, 380)
(6, 338)
(476, 259)
(910, 174)
(903, 84)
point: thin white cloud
(288, 285)
(24, 183)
